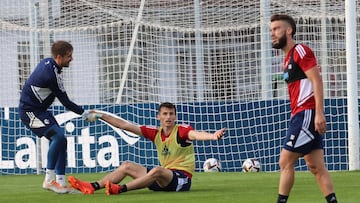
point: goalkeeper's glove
(90, 116)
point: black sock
(95, 185)
(331, 198)
(282, 198)
(123, 188)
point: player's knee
(56, 135)
(156, 171)
(284, 164)
(315, 168)
(125, 166)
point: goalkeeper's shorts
(40, 122)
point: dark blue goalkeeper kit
(43, 85)
(39, 92)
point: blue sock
(57, 150)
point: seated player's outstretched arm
(119, 123)
(202, 135)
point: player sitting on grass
(174, 148)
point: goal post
(130, 52)
(352, 96)
(212, 59)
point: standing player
(175, 151)
(39, 92)
(307, 124)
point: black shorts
(301, 136)
(180, 182)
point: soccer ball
(212, 165)
(251, 165)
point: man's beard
(281, 44)
(65, 64)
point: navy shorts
(40, 122)
(180, 182)
(301, 136)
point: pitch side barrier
(254, 129)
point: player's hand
(90, 116)
(219, 134)
(320, 123)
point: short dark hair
(285, 18)
(61, 48)
(167, 105)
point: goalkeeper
(39, 92)
(174, 148)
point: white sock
(49, 175)
(61, 180)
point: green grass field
(206, 188)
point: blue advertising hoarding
(96, 147)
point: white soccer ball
(212, 165)
(251, 165)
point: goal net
(213, 59)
